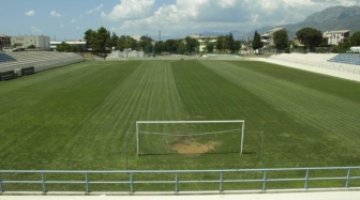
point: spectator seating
(327, 61)
(353, 59)
(38, 60)
(6, 58)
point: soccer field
(83, 116)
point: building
(336, 37)
(40, 42)
(268, 37)
(54, 44)
(204, 41)
(5, 41)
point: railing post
(348, 178)
(87, 182)
(131, 183)
(221, 181)
(176, 182)
(306, 179)
(1, 188)
(264, 181)
(43, 182)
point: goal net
(189, 137)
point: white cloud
(191, 16)
(131, 9)
(226, 3)
(97, 8)
(73, 21)
(35, 30)
(30, 13)
(62, 25)
(79, 28)
(55, 14)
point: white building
(39, 41)
(268, 37)
(204, 41)
(336, 37)
(54, 44)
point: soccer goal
(189, 137)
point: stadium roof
(67, 42)
(2, 35)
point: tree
(257, 44)
(130, 43)
(191, 44)
(355, 39)
(281, 40)
(230, 43)
(89, 37)
(181, 46)
(210, 48)
(31, 47)
(101, 40)
(114, 39)
(159, 47)
(343, 47)
(220, 43)
(64, 47)
(145, 43)
(171, 45)
(237, 45)
(310, 37)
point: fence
(341, 175)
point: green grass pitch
(78, 116)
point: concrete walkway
(332, 195)
(324, 71)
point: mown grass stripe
(327, 113)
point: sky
(69, 19)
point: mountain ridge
(332, 18)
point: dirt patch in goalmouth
(192, 147)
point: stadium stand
(319, 61)
(6, 58)
(7, 75)
(352, 59)
(32, 62)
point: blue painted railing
(221, 180)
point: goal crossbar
(190, 122)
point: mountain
(333, 18)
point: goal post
(239, 130)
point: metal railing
(263, 178)
(342, 67)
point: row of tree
(309, 37)
(102, 40)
